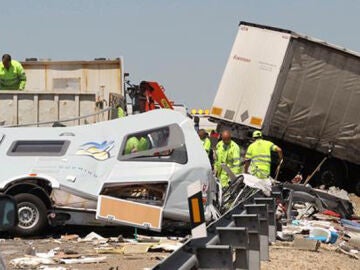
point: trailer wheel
(357, 188)
(331, 174)
(31, 213)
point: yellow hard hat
(257, 134)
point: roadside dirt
(280, 258)
(323, 259)
(17, 248)
(356, 203)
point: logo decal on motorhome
(99, 151)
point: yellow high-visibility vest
(206, 144)
(13, 78)
(260, 154)
(230, 155)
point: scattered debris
(282, 236)
(52, 268)
(351, 253)
(91, 237)
(30, 261)
(166, 245)
(70, 237)
(84, 260)
(110, 250)
(310, 217)
(323, 235)
(137, 248)
(351, 225)
(131, 249)
(340, 193)
(306, 244)
(354, 240)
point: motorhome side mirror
(8, 213)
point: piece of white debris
(84, 260)
(23, 262)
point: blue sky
(184, 45)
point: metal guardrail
(239, 239)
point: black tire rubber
(331, 174)
(357, 188)
(30, 203)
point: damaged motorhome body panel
(93, 160)
(129, 213)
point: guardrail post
(262, 211)
(271, 212)
(238, 239)
(288, 211)
(210, 253)
(215, 257)
(251, 222)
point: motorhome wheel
(32, 214)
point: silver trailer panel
(316, 100)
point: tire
(32, 215)
(331, 174)
(357, 188)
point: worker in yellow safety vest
(227, 152)
(120, 112)
(131, 145)
(258, 155)
(134, 144)
(205, 140)
(12, 74)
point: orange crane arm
(154, 93)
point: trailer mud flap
(129, 213)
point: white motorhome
(85, 174)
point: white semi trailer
(303, 93)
